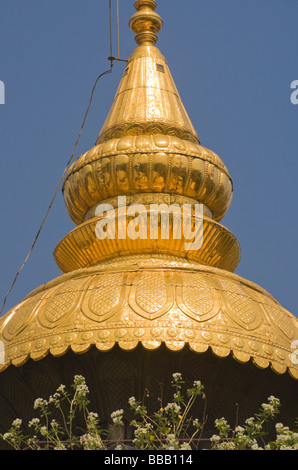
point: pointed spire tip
(146, 23)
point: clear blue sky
(233, 62)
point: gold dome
(151, 301)
(153, 163)
(130, 292)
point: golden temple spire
(147, 100)
(149, 152)
(127, 291)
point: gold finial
(146, 23)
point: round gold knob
(146, 23)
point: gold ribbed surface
(152, 301)
(81, 248)
(143, 164)
(147, 101)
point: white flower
(250, 421)
(132, 401)
(60, 446)
(79, 379)
(117, 413)
(173, 407)
(221, 422)
(54, 424)
(272, 406)
(185, 446)
(279, 427)
(196, 423)
(117, 416)
(268, 407)
(177, 376)
(55, 399)
(141, 430)
(140, 409)
(17, 423)
(43, 431)
(91, 442)
(239, 429)
(171, 442)
(256, 447)
(34, 422)
(198, 384)
(273, 400)
(40, 403)
(228, 446)
(82, 389)
(92, 416)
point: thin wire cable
(118, 30)
(112, 58)
(58, 187)
(111, 29)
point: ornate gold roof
(131, 291)
(151, 301)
